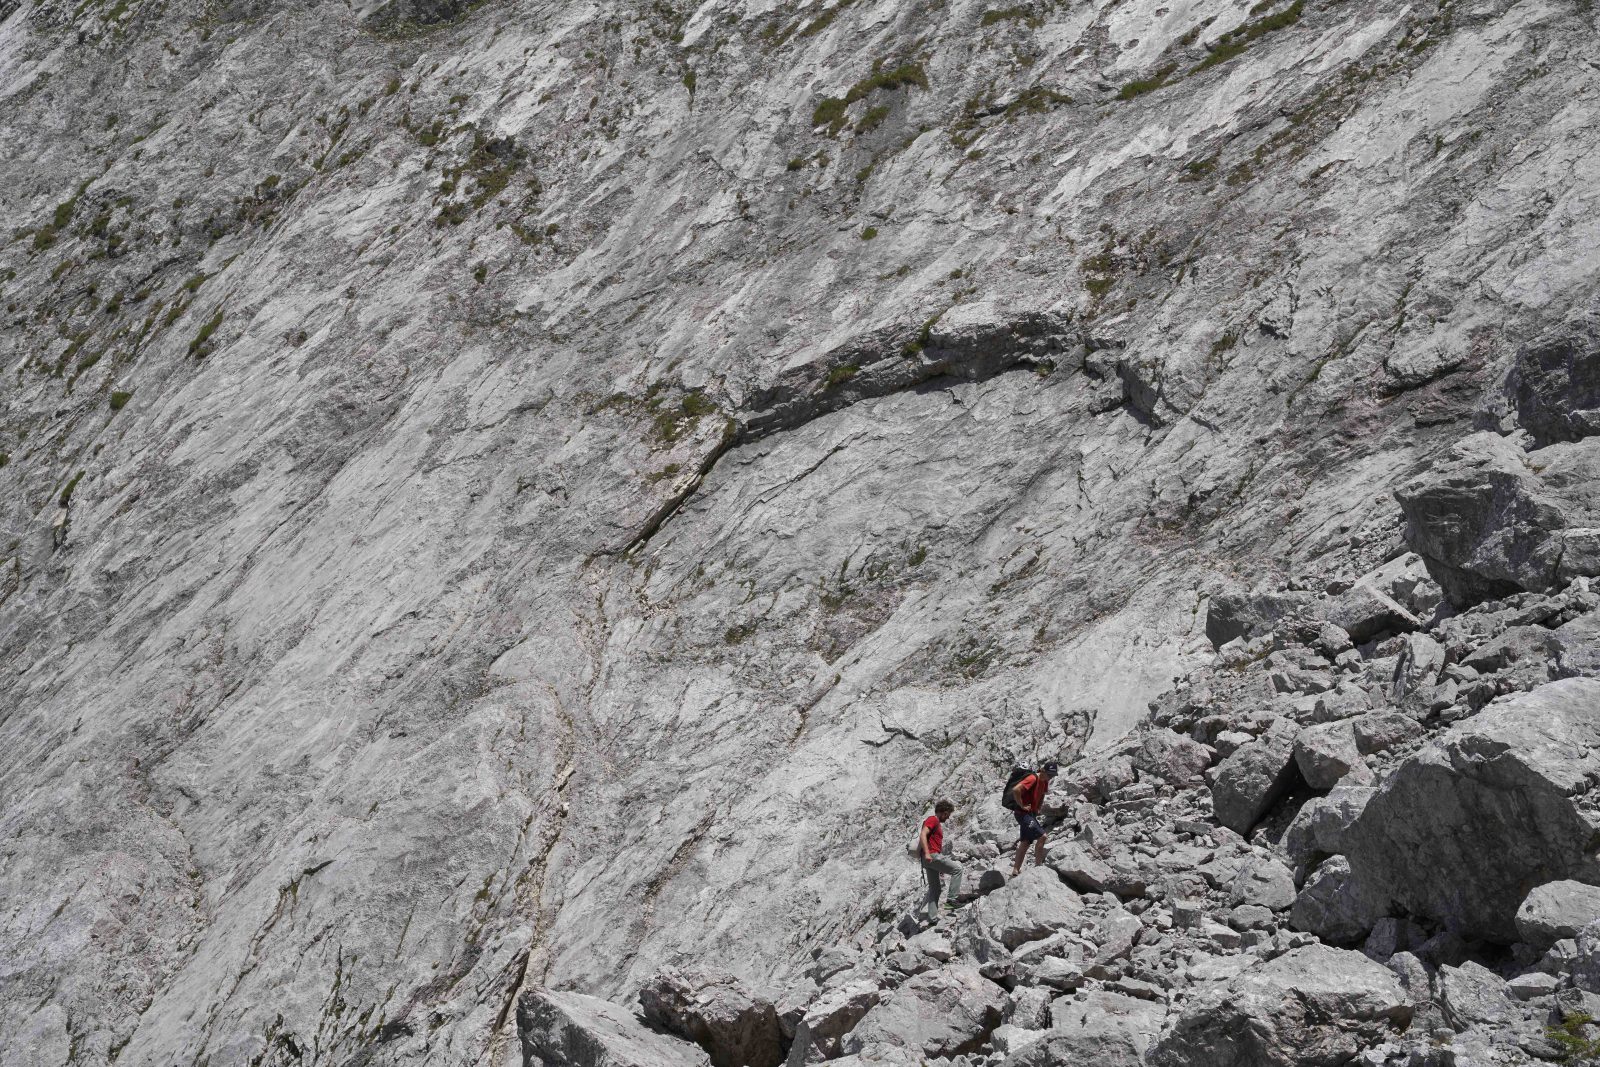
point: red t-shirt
(1032, 790)
(935, 834)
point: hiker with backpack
(1024, 795)
(930, 850)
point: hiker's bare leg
(1016, 861)
(1038, 853)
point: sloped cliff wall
(522, 494)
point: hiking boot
(951, 905)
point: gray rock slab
(1533, 985)
(1033, 905)
(1254, 778)
(1319, 828)
(1080, 868)
(1555, 381)
(1335, 906)
(1263, 881)
(1101, 1028)
(1383, 730)
(837, 1011)
(573, 1030)
(1171, 757)
(1557, 910)
(1472, 995)
(941, 1013)
(1492, 520)
(736, 1026)
(1326, 753)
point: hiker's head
(1049, 769)
(944, 809)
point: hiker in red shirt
(930, 845)
(1029, 794)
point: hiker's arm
(922, 839)
(1016, 794)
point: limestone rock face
(1312, 1007)
(1496, 805)
(572, 1030)
(522, 495)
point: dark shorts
(1028, 826)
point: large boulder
(1320, 826)
(1254, 778)
(1264, 882)
(1171, 756)
(1555, 382)
(1585, 959)
(1033, 905)
(1557, 910)
(1080, 868)
(734, 1026)
(1326, 753)
(1472, 995)
(836, 1013)
(1498, 804)
(1491, 520)
(1313, 1007)
(572, 1030)
(938, 1014)
(1234, 614)
(1335, 906)
(1363, 611)
(1103, 1029)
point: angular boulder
(836, 1013)
(1033, 905)
(1264, 882)
(938, 1014)
(572, 1030)
(1233, 614)
(1472, 995)
(1556, 910)
(1491, 520)
(1383, 730)
(1364, 612)
(1080, 868)
(734, 1026)
(1322, 822)
(1103, 1029)
(1254, 778)
(1326, 753)
(1584, 958)
(1171, 757)
(1499, 803)
(1312, 1007)
(1335, 906)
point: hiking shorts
(1028, 826)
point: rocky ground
(507, 498)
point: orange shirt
(1031, 792)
